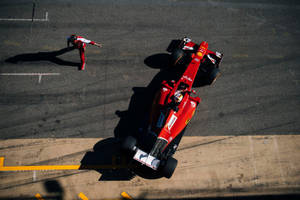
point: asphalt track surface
(258, 92)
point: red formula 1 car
(174, 105)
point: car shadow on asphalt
(107, 157)
(158, 61)
(44, 56)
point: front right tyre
(169, 167)
(177, 57)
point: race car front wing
(146, 159)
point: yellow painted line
(57, 167)
(39, 197)
(82, 196)
(1, 162)
(41, 167)
(126, 196)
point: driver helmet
(178, 97)
(72, 38)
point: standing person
(80, 44)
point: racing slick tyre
(177, 56)
(169, 167)
(129, 144)
(213, 75)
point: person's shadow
(51, 56)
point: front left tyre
(213, 75)
(129, 144)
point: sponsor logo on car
(193, 104)
(171, 121)
(187, 48)
(188, 78)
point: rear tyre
(177, 57)
(169, 167)
(129, 144)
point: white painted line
(34, 176)
(9, 19)
(253, 159)
(40, 78)
(29, 74)
(278, 159)
(39, 20)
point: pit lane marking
(30, 74)
(253, 158)
(1, 162)
(278, 159)
(126, 196)
(38, 196)
(46, 19)
(82, 196)
(60, 167)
